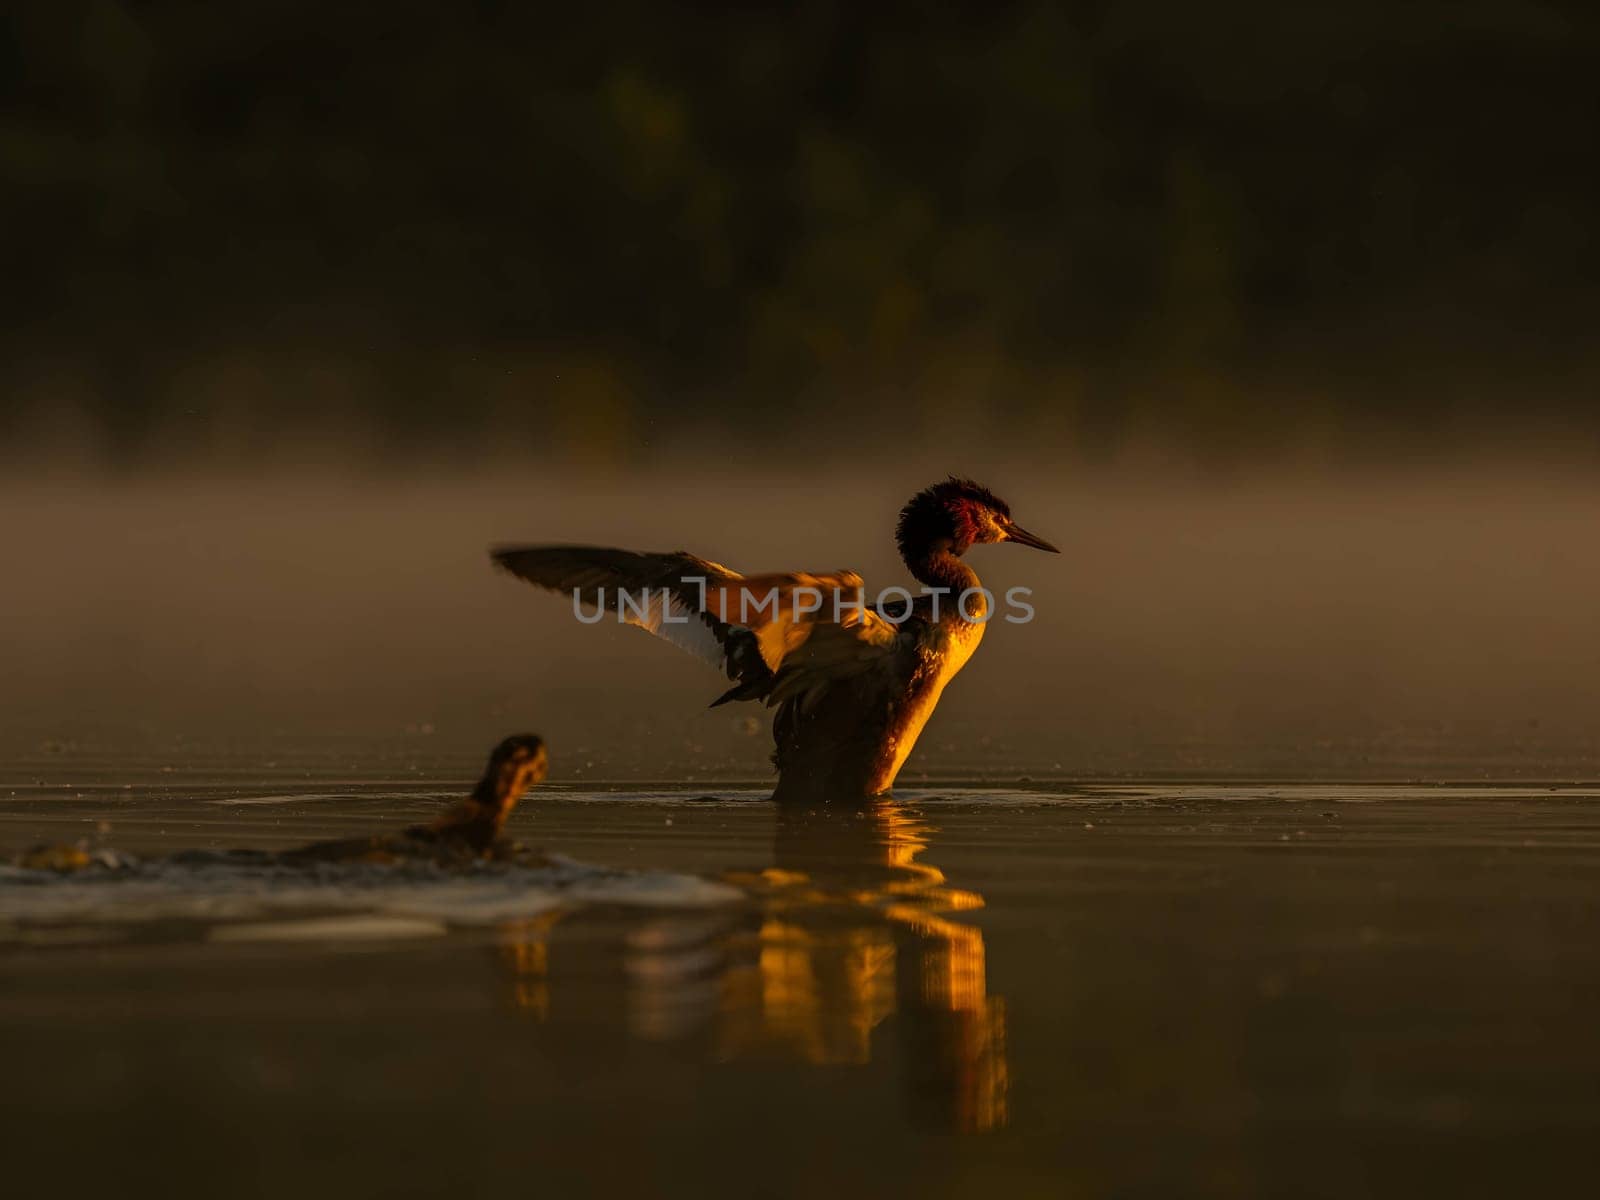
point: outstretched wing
(663, 594)
(754, 627)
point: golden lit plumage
(853, 683)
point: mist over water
(1403, 623)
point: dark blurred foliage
(1091, 221)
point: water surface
(1139, 989)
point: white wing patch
(671, 620)
(810, 630)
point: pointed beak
(1016, 533)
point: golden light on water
(812, 996)
(524, 949)
(847, 956)
(854, 957)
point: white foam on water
(709, 794)
(220, 891)
(328, 929)
(1093, 794)
(1048, 793)
(284, 798)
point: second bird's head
(515, 765)
(956, 515)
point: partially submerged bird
(853, 683)
(469, 829)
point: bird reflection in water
(849, 951)
(852, 942)
(524, 951)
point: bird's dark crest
(524, 743)
(936, 512)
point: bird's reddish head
(956, 515)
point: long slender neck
(497, 794)
(936, 567)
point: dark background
(1278, 319)
(1238, 230)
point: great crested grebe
(853, 683)
(468, 829)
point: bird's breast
(951, 646)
